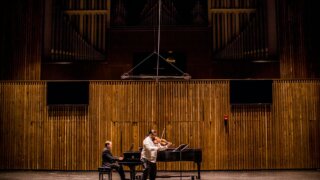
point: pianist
(108, 160)
(149, 155)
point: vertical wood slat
(293, 60)
(248, 129)
(284, 135)
(21, 41)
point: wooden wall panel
(21, 39)
(186, 108)
(68, 132)
(22, 118)
(278, 136)
(296, 122)
(248, 140)
(293, 52)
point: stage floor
(205, 175)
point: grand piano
(132, 158)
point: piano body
(169, 155)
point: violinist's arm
(150, 147)
(162, 148)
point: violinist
(151, 145)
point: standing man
(149, 155)
(108, 160)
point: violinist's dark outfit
(108, 160)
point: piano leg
(132, 172)
(198, 166)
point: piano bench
(105, 170)
(138, 177)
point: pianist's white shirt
(150, 150)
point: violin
(163, 142)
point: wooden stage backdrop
(283, 135)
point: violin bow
(162, 133)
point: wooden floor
(206, 175)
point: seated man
(108, 160)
